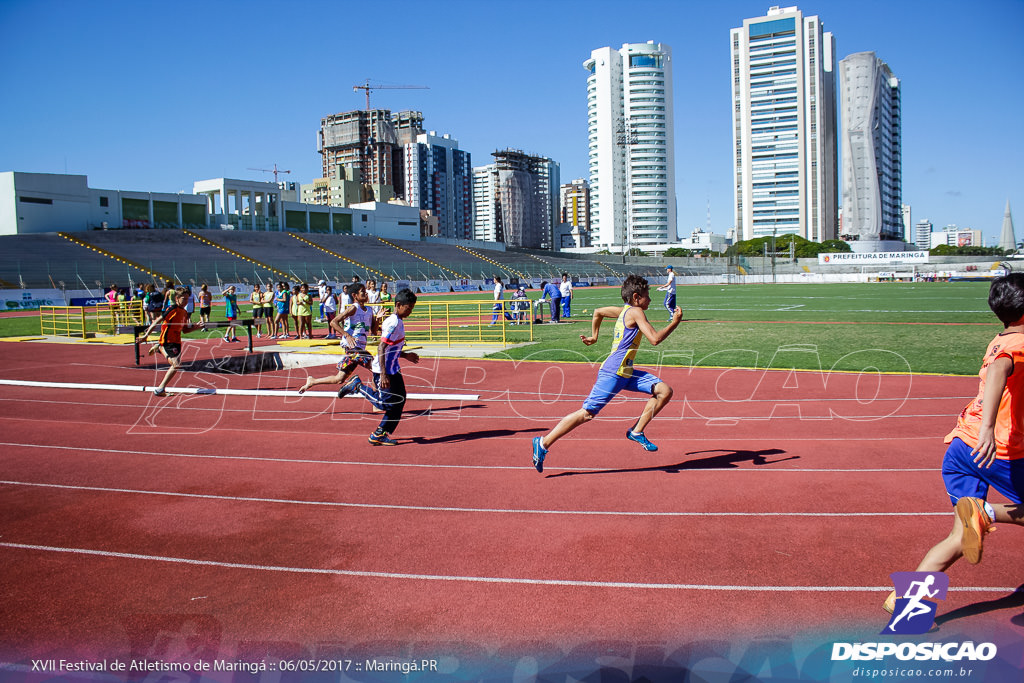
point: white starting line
(216, 391)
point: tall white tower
(872, 171)
(784, 126)
(632, 159)
(1007, 240)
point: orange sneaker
(890, 603)
(976, 523)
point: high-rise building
(575, 203)
(439, 180)
(784, 126)
(632, 158)
(923, 234)
(516, 200)
(872, 172)
(369, 141)
(908, 225)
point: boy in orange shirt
(173, 323)
(986, 449)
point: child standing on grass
(282, 300)
(388, 393)
(383, 311)
(268, 308)
(256, 298)
(304, 312)
(986, 449)
(173, 323)
(617, 372)
(205, 299)
(293, 310)
(230, 312)
(354, 324)
(329, 303)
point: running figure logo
(916, 593)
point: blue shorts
(963, 477)
(608, 385)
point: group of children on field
(986, 448)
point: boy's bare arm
(152, 326)
(995, 383)
(595, 323)
(655, 337)
(339, 319)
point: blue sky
(154, 95)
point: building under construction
(369, 141)
(516, 199)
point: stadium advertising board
(21, 299)
(434, 287)
(873, 258)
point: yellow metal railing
(84, 321)
(459, 323)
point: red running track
(778, 503)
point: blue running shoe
(349, 387)
(379, 438)
(641, 439)
(538, 454)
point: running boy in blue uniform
(388, 393)
(986, 448)
(617, 372)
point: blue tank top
(625, 341)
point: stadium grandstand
(99, 258)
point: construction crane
(269, 170)
(367, 87)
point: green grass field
(920, 328)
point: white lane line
(219, 391)
(430, 508)
(487, 579)
(108, 451)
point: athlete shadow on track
(473, 436)
(422, 412)
(426, 412)
(728, 459)
(1011, 601)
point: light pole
(626, 137)
(774, 231)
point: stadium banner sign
(399, 285)
(873, 258)
(434, 287)
(87, 301)
(535, 282)
(580, 283)
(22, 299)
(464, 285)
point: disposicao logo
(916, 593)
